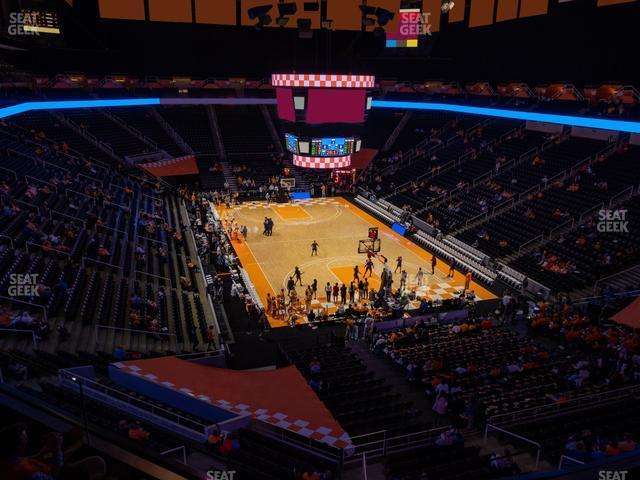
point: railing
(177, 449)
(91, 179)
(381, 445)
(607, 297)
(309, 445)
(15, 175)
(554, 230)
(555, 409)
(34, 339)
(131, 330)
(140, 272)
(623, 195)
(476, 218)
(565, 459)
(623, 272)
(76, 379)
(36, 179)
(77, 219)
(8, 238)
(59, 252)
(529, 243)
(31, 304)
(519, 437)
(92, 260)
(590, 212)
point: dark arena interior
(319, 240)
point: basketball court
(339, 227)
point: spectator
(48, 464)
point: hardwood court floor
(337, 225)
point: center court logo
(412, 24)
(23, 285)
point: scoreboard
(38, 21)
(322, 147)
(331, 147)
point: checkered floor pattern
(320, 433)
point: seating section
(505, 370)
(192, 124)
(243, 130)
(576, 260)
(95, 237)
(545, 210)
(146, 123)
(97, 123)
(418, 191)
(594, 428)
(361, 402)
(49, 128)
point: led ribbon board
(588, 122)
(322, 162)
(67, 104)
(322, 81)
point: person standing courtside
(434, 262)
(398, 264)
(368, 267)
(452, 268)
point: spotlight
(312, 6)
(304, 28)
(383, 16)
(368, 22)
(260, 13)
(447, 6)
(285, 10)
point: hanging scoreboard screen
(292, 143)
(35, 22)
(331, 147)
(322, 147)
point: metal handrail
(19, 330)
(528, 414)
(117, 394)
(31, 304)
(595, 286)
(514, 435)
(567, 457)
(107, 327)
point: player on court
(356, 273)
(314, 248)
(298, 275)
(368, 267)
(419, 277)
(398, 264)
